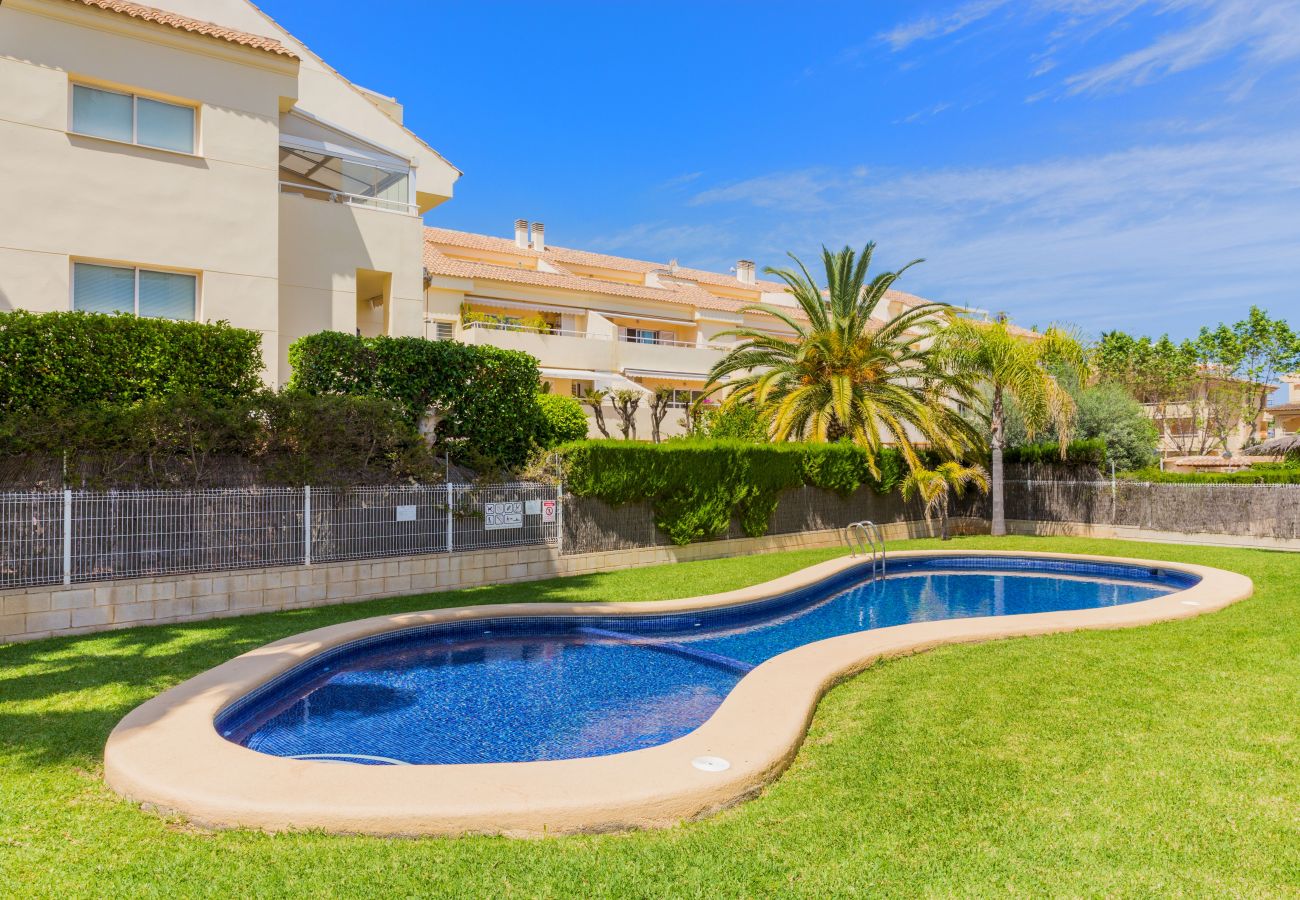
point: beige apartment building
(198, 162)
(596, 321)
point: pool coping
(167, 755)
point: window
(142, 292)
(132, 119)
(442, 331)
(640, 336)
(312, 173)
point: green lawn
(1156, 761)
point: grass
(1156, 761)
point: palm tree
(1011, 362)
(935, 486)
(844, 374)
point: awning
(657, 373)
(605, 381)
(519, 304)
(576, 374)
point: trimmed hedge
(1260, 473)
(485, 398)
(63, 360)
(188, 441)
(696, 486)
(1091, 452)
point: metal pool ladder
(864, 538)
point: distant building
(596, 321)
(1286, 415)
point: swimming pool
(167, 754)
(532, 688)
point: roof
(562, 255)
(681, 284)
(439, 263)
(1284, 408)
(194, 26)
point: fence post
(306, 525)
(67, 536)
(559, 517)
(451, 523)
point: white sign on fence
(508, 514)
(548, 511)
(532, 507)
(406, 513)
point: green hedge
(562, 420)
(63, 360)
(1090, 452)
(1261, 473)
(188, 441)
(696, 486)
(485, 397)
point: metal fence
(78, 536)
(1239, 510)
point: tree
(659, 401)
(595, 399)
(935, 486)
(845, 374)
(1165, 377)
(1014, 364)
(626, 403)
(1248, 356)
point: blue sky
(1109, 163)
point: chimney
(539, 237)
(521, 234)
(745, 271)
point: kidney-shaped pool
(532, 688)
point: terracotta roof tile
(558, 257)
(195, 26)
(439, 263)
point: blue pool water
(534, 688)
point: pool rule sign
(507, 514)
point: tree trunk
(996, 429)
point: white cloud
(1256, 35)
(931, 27)
(1263, 33)
(1162, 237)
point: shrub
(484, 398)
(1261, 473)
(189, 441)
(696, 486)
(1089, 452)
(63, 360)
(562, 420)
(1107, 412)
(740, 421)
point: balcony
(599, 352)
(551, 347)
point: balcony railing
(563, 332)
(379, 203)
(533, 329)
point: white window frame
(135, 272)
(135, 98)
